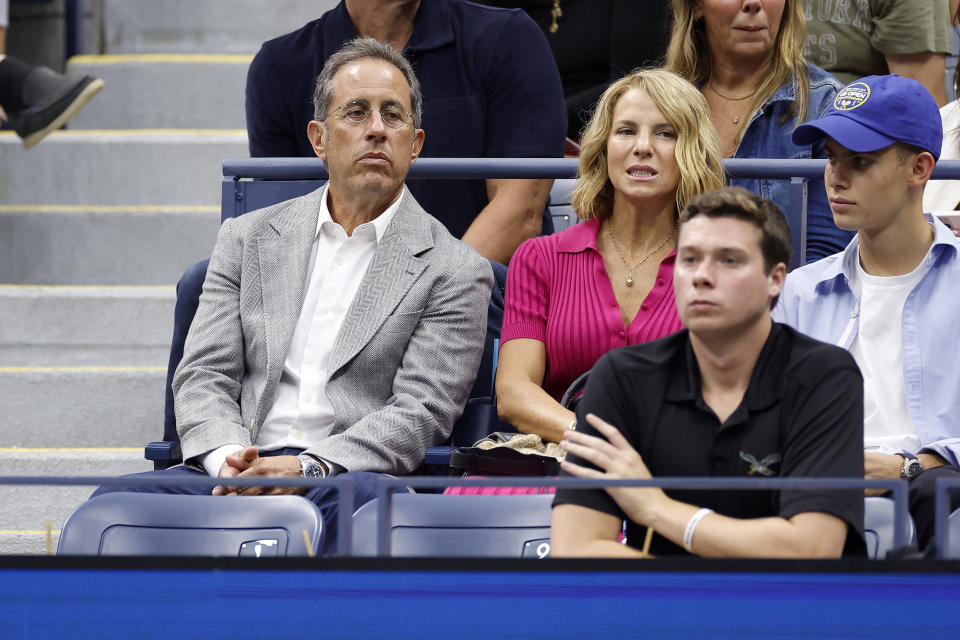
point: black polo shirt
(802, 416)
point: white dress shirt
(301, 415)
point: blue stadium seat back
(953, 524)
(560, 204)
(145, 524)
(242, 196)
(437, 525)
(563, 216)
(562, 190)
(878, 519)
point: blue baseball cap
(876, 112)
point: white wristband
(692, 526)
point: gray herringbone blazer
(402, 365)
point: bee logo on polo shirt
(852, 96)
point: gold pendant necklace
(616, 244)
(555, 14)
(736, 119)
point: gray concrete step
(164, 91)
(85, 326)
(122, 167)
(107, 245)
(27, 512)
(211, 26)
(105, 406)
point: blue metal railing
(942, 514)
(386, 484)
(797, 171)
(344, 486)
(314, 169)
(898, 488)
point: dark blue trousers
(326, 498)
(923, 503)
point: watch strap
(309, 463)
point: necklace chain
(747, 97)
(616, 244)
(555, 14)
(736, 119)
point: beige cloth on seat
(529, 443)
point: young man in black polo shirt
(732, 395)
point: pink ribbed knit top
(558, 292)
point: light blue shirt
(817, 300)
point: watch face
(914, 467)
(311, 468)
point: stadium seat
(134, 524)
(436, 525)
(560, 208)
(953, 525)
(878, 518)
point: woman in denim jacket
(747, 59)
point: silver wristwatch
(310, 467)
(912, 466)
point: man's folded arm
(585, 532)
(432, 384)
(581, 532)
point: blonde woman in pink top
(571, 297)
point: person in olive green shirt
(859, 38)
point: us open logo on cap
(852, 96)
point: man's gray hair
(359, 49)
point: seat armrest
(439, 455)
(164, 454)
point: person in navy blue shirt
(490, 89)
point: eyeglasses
(358, 111)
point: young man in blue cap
(891, 296)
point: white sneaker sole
(82, 98)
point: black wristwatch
(912, 466)
(310, 467)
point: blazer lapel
(392, 271)
(284, 257)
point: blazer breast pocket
(401, 323)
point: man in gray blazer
(338, 332)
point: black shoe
(61, 99)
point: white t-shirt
(877, 348)
(944, 195)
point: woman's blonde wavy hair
(689, 56)
(697, 151)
